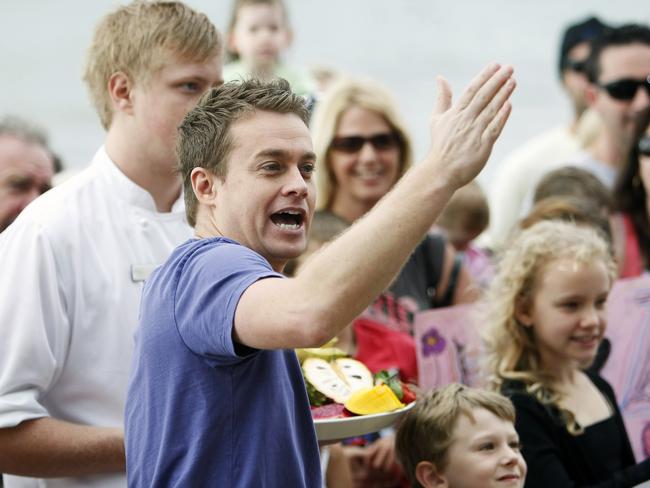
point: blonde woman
(546, 320)
(363, 149)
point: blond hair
(345, 94)
(427, 430)
(204, 136)
(137, 38)
(511, 351)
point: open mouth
(288, 219)
(588, 339)
(509, 477)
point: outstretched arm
(338, 282)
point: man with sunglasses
(519, 172)
(618, 69)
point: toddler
(258, 35)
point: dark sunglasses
(644, 146)
(625, 89)
(352, 144)
(579, 66)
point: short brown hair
(467, 208)
(571, 181)
(204, 136)
(135, 39)
(426, 431)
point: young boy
(258, 36)
(461, 437)
(74, 262)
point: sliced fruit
(326, 353)
(378, 399)
(316, 398)
(354, 372)
(392, 380)
(330, 411)
(324, 379)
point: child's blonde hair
(511, 352)
(426, 431)
(137, 38)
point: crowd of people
(151, 304)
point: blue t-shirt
(202, 410)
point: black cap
(577, 33)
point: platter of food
(346, 399)
(332, 429)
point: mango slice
(378, 399)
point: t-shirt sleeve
(207, 294)
(34, 328)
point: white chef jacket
(72, 267)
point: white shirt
(73, 265)
(517, 176)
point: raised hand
(463, 134)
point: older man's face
(26, 170)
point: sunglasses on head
(352, 144)
(626, 89)
(644, 146)
(579, 66)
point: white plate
(336, 429)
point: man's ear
(523, 311)
(429, 477)
(591, 94)
(120, 89)
(204, 185)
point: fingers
(485, 118)
(443, 100)
(489, 90)
(476, 84)
(493, 131)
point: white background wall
(403, 43)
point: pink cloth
(632, 260)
